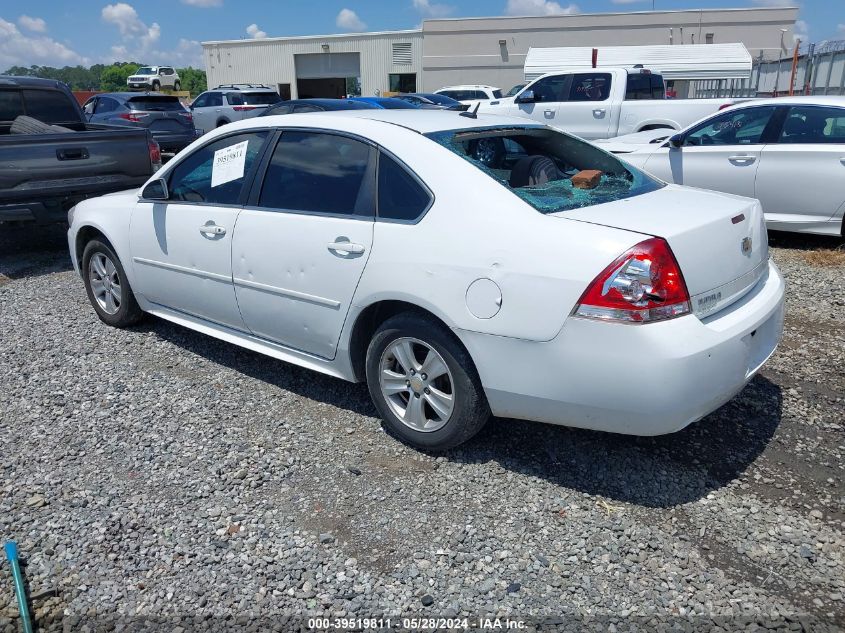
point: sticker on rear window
(228, 164)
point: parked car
(231, 102)
(432, 100)
(516, 89)
(316, 105)
(154, 78)
(470, 94)
(170, 123)
(455, 264)
(604, 102)
(789, 153)
(51, 158)
(386, 103)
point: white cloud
(203, 4)
(433, 10)
(348, 20)
(539, 7)
(140, 42)
(36, 25)
(17, 49)
(256, 33)
(123, 16)
(802, 30)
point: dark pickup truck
(49, 164)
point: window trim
(249, 179)
(252, 203)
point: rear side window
(814, 124)
(260, 98)
(155, 104)
(321, 173)
(106, 104)
(215, 173)
(638, 87)
(400, 196)
(497, 94)
(50, 106)
(11, 105)
(590, 87)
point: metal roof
(680, 61)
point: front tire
(177, 86)
(108, 287)
(156, 86)
(424, 383)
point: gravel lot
(156, 474)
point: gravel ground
(158, 475)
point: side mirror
(526, 96)
(676, 141)
(156, 190)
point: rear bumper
(170, 142)
(633, 379)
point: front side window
(735, 127)
(400, 196)
(50, 106)
(539, 166)
(497, 94)
(215, 173)
(321, 173)
(201, 101)
(551, 89)
(814, 124)
(214, 100)
(590, 87)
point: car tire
(156, 86)
(177, 86)
(222, 122)
(116, 308)
(433, 413)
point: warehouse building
(475, 50)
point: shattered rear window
(549, 170)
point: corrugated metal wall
(271, 61)
(820, 71)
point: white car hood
(640, 142)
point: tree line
(106, 78)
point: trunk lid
(719, 239)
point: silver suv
(231, 102)
(154, 78)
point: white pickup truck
(604, 102)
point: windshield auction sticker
(228, 164)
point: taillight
(642, 285)
(188, 116)
(244, 107)
(135, 118)
(725, 105)
(155, 155)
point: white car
(231, 102)
(470, 94)
(787, 152)
(450, 262)
(154, 78)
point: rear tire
(108, 287)
(437, 402)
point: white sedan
(788, 152)
(460, 265)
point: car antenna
(473, 114)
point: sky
(70, 32)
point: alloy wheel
(105, 282)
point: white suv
(231, 102)
(154, 78)
(470, 94)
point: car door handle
(212, 229)
(742, 159)
(346, 247)
(842, 160)
(599, 112)
(549, 112)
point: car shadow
(659, 471)
(30, 250)
(804, 241)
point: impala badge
(745, 246)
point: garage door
(327, 65)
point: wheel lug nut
(424, 377)
(413, 372)
(407, 383)
(427, 390)
(416, 395)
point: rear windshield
(145, 70)
(539, 164)
(155, 104)
(253, 98)
(50, 106)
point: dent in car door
(300, 249)
(812, 140)
(182, 247)
(722, 153)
